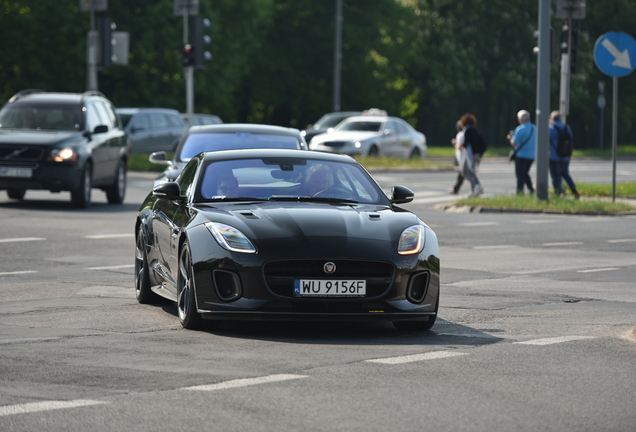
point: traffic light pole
(91, 55)
(188, 72)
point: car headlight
(230, 238)
(411, 240)
(358, 144)
(63, 155)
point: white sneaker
(478, 191)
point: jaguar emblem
(329, 267)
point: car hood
(16, 136)
(314, 228)
(344, 136)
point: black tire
(415, 154)
(186, 302)
(142, 278)
(116, 192)
(374, 151)
(16, 194)
(81, 197)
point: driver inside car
(318, 179)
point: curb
(479, 209)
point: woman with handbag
(524, 144)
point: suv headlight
(411, 240)
(63, 155)
(230, 238)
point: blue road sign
(615, 54)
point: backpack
(475, 140)
(566, 142)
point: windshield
(288, 179)
(366, 126)
(200, 142)
(41, 117)
(329, 120)
(125, 118)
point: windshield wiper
(226, 199)
(315, 199)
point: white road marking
(244, 382)
(21, 239)
(538, 221)
(622, 241)
(18, 272)
(46, 406)
(108, 236)
(598, 270)
(3, 341)
(475, 224)
(563, 244)
(554, 340)
(494, 247)
(111, 267)
(416, 357)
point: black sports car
(285, 235)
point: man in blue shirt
(559, 166)
(524, 142)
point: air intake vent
(227, 285)
(418, 287)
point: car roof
(43, 97)
(244, 127)
(128, 110)
(275, 153)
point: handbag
(512, 155)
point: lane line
(554, 340)
(495, 247)
(5, 341)
(622, 241)
(46, 406)
(563, 244)
(108, 236)
(112, 267)
(475, 224)
(539, 221)
(416, 357)
(18, 272)
(21, 239)
(598, 270)
(245, 382)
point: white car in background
(372, 135)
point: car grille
(280, 275)
(19, 154)
(335, 144)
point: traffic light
(106, 41)
(565, 36)
(199, 41)
(574, 45)
(188, 55)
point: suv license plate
(16, 172)
(329, 288)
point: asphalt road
(534, 332)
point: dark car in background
(153, 129)
(228, 136)
(242, 235)
(326, 122)
(63, 142)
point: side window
(141, 122)
(175, 121)
(110, 112)
(402, 128)
(158, 120)
(103, 114)
(186, 177)
(391, 127)
(92, 118)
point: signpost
(615, 55)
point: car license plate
(329, 288)
(16, 172)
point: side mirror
(159, 158)
(169, 191)
(100, 129)
(401, 195)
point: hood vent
(248, 214)
(375, 216)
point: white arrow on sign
(622, 58)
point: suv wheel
(116, 192)
(81, 197)
(16, 194)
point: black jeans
(522, 170)
(558, 170)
